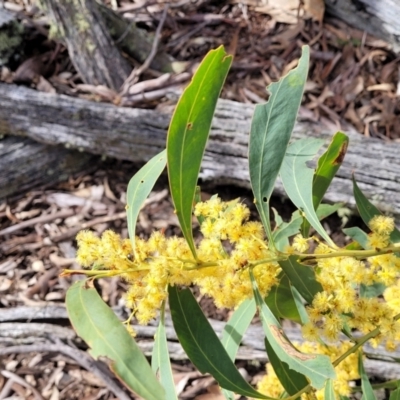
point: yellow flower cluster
(345, 279)
(229, 245)
(346, 371)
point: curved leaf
(297, 179)
(302, 278)
(329, 393)
(234, 330)
(281, 301)
(188, 134)
(139, 187)
(357, 235)
(317, 368)
(160, 361)
(327, 167)
(202, 345)
(367, 210)
(395, 395)
(106, 336)
(271, 129)
(368, 392)
(236, 327)
(291, 380)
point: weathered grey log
(379, 365)
(26, 164)
(137, 135)
(377, 17)
(90, 47)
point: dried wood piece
(378, 18)
(90, 46)
(26, 164)
(138, 134)
(252, 348)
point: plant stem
(349, 253)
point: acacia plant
(341, 298)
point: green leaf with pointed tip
(317, 368)
(368, 392)
(197, 199)
(271, 129)
(327, 167)
(281, 301)
(139, 188)
(329, 393)
(188, 134)
(358, 235)
(287, 229)
(367, 210)
(201, 344)
(106, 336)
(297, 179)
(236, 327)
(291, 380)
(160, 361)
(234, 330)
(302, 277)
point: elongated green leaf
(285, 230)
(329, 393)
(160, 361)
(281, 301)
(271, 129)
(395, 395)
(201, 344)
(236, 327)
(358, 235)
(291, 380)
(317, 368)
(139, 188)
(374, 290)
(234, 330)
(368, 392)
(297, 179)
(302, 277)
(367, 210)
(188, 134)
(327, 167)
(106, 336)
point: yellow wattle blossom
(230, 244)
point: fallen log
(379, 363)
(137, 135)
(25, 164)
(378, 18)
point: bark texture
(137, 135)
(25, 164)
(377, 17)
(90, 47)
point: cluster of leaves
(314, 289)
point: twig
(80, 357)
(38, 220)
(73, 231)
(16, 378)
(133, 77)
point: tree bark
(25, 164)
(90, 47)
(377, 17)
(137, 135)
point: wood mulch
(353, 79)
